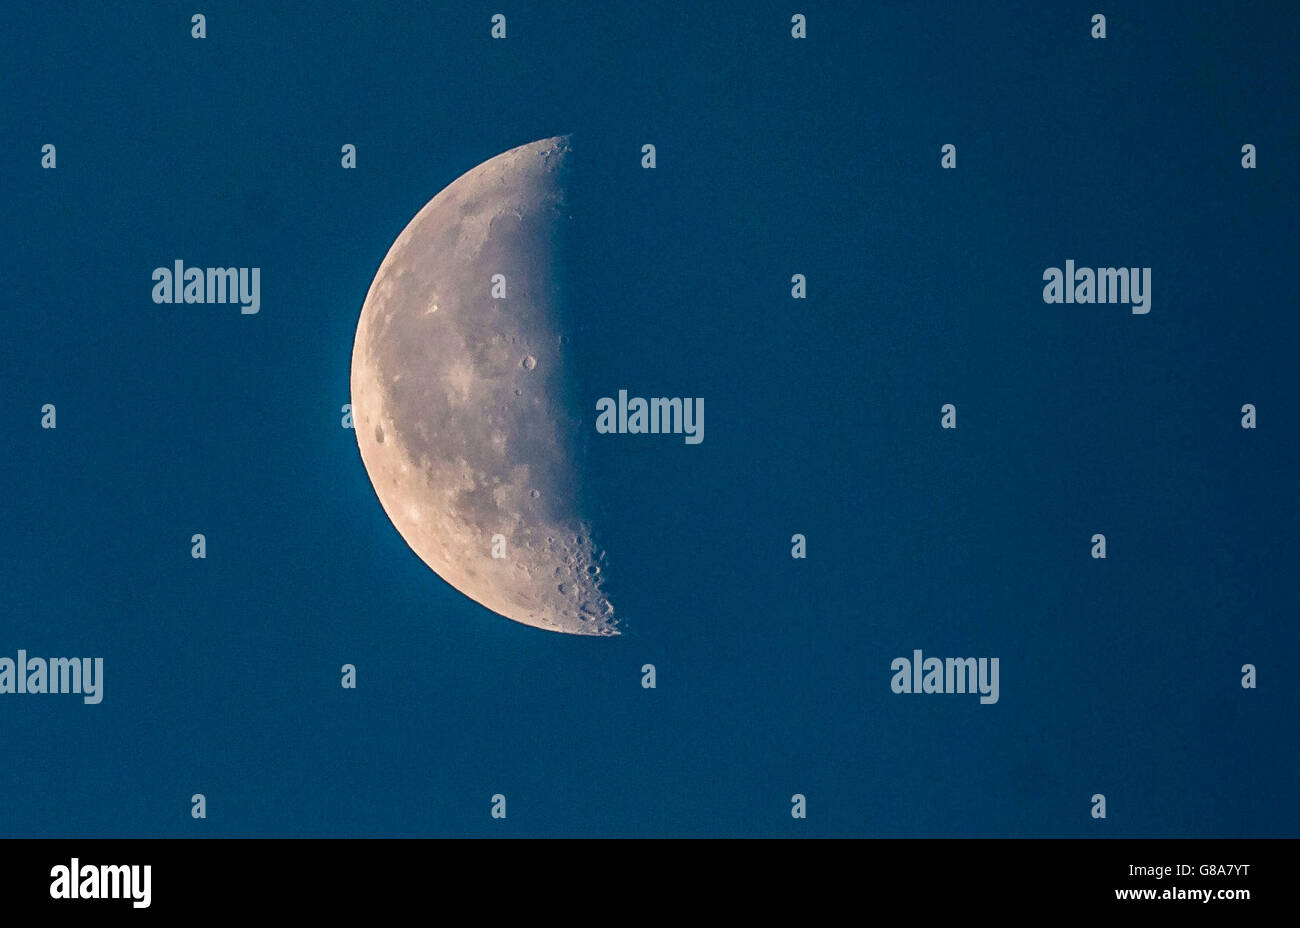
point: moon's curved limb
(461, 401)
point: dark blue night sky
(775, 156)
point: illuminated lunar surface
(463, 403)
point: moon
(463, 401)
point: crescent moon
(463, 401)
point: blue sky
(775, 157)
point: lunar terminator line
(463, 404)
